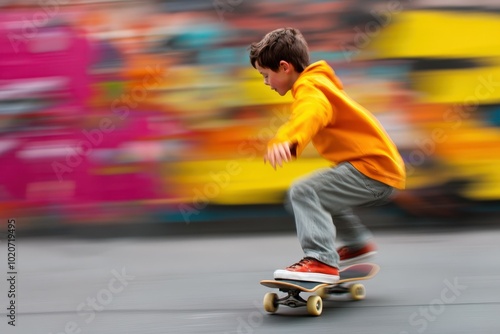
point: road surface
(430, 282)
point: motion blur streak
(115, 110)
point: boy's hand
(277, 154)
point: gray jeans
(322, 205)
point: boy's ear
(286, 66)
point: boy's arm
(311, 112)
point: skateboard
(314, 304)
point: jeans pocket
(380, 191)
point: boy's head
(280, 57)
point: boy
(367, 167)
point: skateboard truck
(292, 300)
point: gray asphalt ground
(432, 281)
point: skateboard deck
(355, 272)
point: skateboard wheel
(314, 305)
(357, 291)
(270, 304)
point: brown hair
(286, 44)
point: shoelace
(301, 263)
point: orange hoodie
(340, 129)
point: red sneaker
(309, 269)
(349, 255)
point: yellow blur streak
(426, 34)
(249, 182)
(474, 85)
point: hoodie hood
(317, 70)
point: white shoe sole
(309, 277)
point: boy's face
(280, 81)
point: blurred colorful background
(149, 111)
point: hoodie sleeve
(311, 111)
